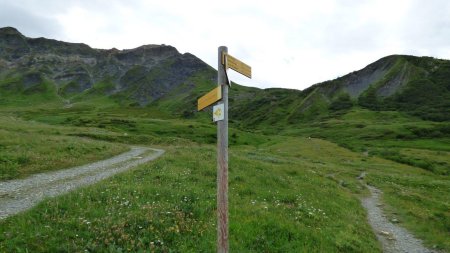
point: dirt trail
(19, 195)
(393, 237)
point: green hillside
(417, 86)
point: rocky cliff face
(145, 73)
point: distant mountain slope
(419, 86)
(142, 74)
(159, 76)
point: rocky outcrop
(357, 82)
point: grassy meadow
(30, 147)
(287, 193)
(169, 206)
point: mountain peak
(8, 30)
(153, 49)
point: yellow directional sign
(235, 64)
(210, 98)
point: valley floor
(286, 194)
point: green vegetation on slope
(388, 134)
(426, 92)
(19, 91)
(416, 86)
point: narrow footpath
(22, 194)
(394, 238)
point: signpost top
(236, 65)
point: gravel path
(393, 237)
(19, 195)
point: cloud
(426, 29)
(27, 21)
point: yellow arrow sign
(210, 98)
(235, 64)
(218, 112)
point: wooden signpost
(220, 115)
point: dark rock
(32, 79)
(361, 176)
(13, 44)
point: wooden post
(222, 161)
(220, 95)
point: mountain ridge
(158, 75)
(76, 67)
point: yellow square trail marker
(236, 65)
(210, 98)
(218, 112)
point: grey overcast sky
(290, 44)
